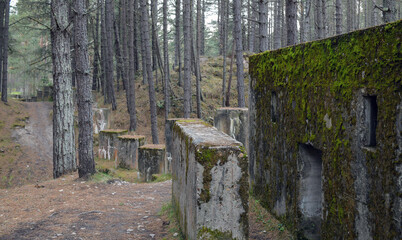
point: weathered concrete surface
(169, 141)
(109, 142)
(102, 119)
(128, 150)
(233, 122)
(210, 182)
(341, 96)
(151, 160)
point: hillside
(211, 87)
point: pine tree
(85, 125)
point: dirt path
(36, 142)
(70, 209)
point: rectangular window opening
(371, 109)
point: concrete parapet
(102, 119)
(210, 182)
(233, 122)
(128, 150)
(151, 160)
(108, 143)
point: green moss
(118, 131)
(206, 233)
(319, 78)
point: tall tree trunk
(338, 16)
(239, 53)
(224, 32)
(166, 58)
(251, 31)
(5, 53)
(263, 25)
(119, 60)
(151, 88)
(277, 25)
(136, 19)
(2, 9)
(95, 66)
(187, 57)
(197, 60)
(130, 93)
(109, 9)
(154, 19)
(291, 22)
(389, 11)
(85, 125)
(230, 76)
(63, 109)
(202, 36)
(104, 64)
(177, 41)
(319, 20)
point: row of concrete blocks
(132, 152)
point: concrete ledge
(151, 160)
(108, 143)
(169, 140)
(128, 150)
(233, 122)
(210, 182)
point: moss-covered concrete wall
(317, 94)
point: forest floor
(33, 206)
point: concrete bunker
(341, 95)
(310, 196)
(151, 160)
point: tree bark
(119, 60)
(224, 32)
(85, 118)
(5, 53)
(104, 65)
(202, 49)
(166, 58)
(109, 9)
(277, 25)
(2, 9)
(389, 11)
(95, 66)
(130, 93)
(187, 57)
(63, 109)
(230, 76)
(177, 41)
(154, 19)
(338, 16)
(291, 22)
(239, 53)
(151, 88)
(263, 25)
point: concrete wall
(325, 134)
(109, 143)
(233, 122)
(210, 182)
(151, 160)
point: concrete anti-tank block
(210, 182)
(128, 150)
(233, 122)
(108, 143)
(151, 160)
